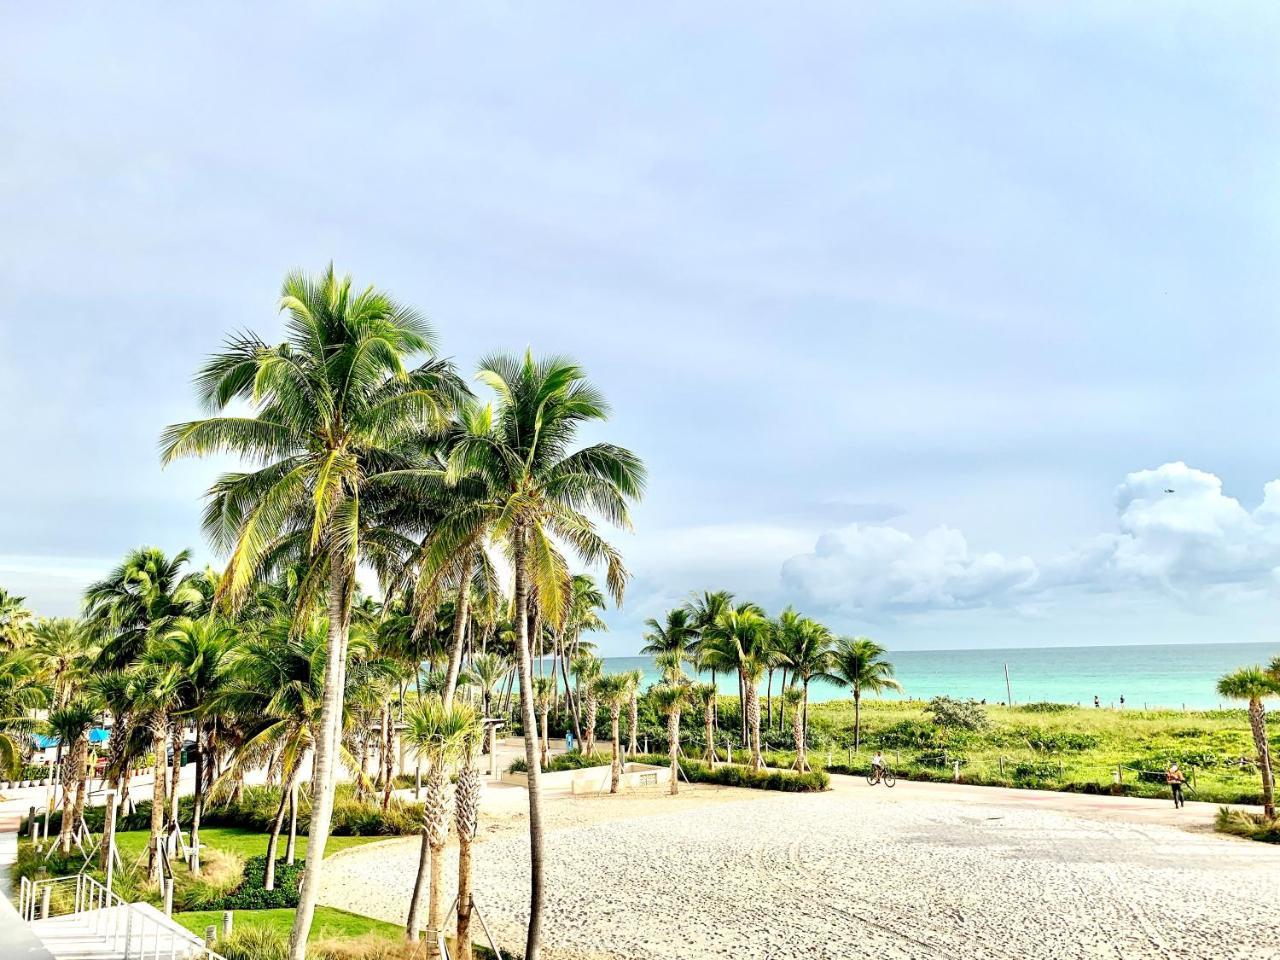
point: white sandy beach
(924, 870)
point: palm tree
(704, 694)
(467, 822)
(614, 690)
(201, 653)
(859, 663)
(704, 611)
(669, 699)
(807, 653)
(634, 679)
(670, 664)
(64, 650)
(71, 725)
(21, 693)
(488, 670)
(585, 603)
(740, 640)
(675, 634)
(586, 670)
(156, 694)
(338, 423)
(137, 602)
(1254, 685)
(544, 691)
(793, 697)
(15, 621)
(439, 734)
(537, 492)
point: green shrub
(950, 714)
(255, 943)
(734, 775)
(1252, 826)
(565, 761)
(1045, 706)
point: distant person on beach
(877, 765)
(1175, 778)
(1122, 699)
(1096, 703)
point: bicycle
(885, 776)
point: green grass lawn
(329, 923)
(244, 843)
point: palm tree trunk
(615, 771)
(326, 748)
(461, 609)
(273, 840)
(797, 728)
(413, 924)
(768, 700)
(546, 753)
(673, 746)
(176, 742)
(857, 719)
(1258, 723)
(290, 848)
(533, 942)
(462, 939)
(753, 707)
(157, 797)
(466, 812)
(710, 735)
(633, 724)
(197, 801)
(742, 707)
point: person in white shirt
(877, 764)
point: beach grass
(1047, 746)
(330, 923)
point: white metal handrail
(132, 932)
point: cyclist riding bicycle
(877, 765)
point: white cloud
(863, 568)
(1176, 533)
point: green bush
(951, 714)
(733, 775)
(565, 761)
(1045, 706)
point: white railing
(130, 930)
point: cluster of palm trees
(717, 634)
(361, 450)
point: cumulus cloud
(864, 568)
(1176, 532)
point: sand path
(926, 871)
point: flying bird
(1169, 490)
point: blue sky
(914, 311)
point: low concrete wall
(594, 779)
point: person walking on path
(1175, 778)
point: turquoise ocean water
(1166, 676)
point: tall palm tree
(586, 601)
(859, 664)
(338, 420)
(704, 610)
(71, 725)
(1254, 685)
(137, 602)
(704, 694)
(15, 621)
(539, 494)
(807, 651)
(64, 650)
(669, 699)
(439, 734)
(614, 690)
(489, 671)
(741, 640)
(587, 668)
(156, 697)
(201, 651)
